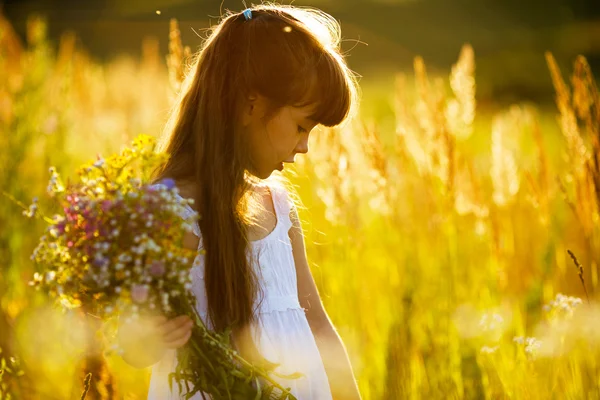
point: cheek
(281, 137)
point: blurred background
(383, 35)
(438, 221)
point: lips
(280, 166)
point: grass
(437, 233)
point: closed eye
(301, 129)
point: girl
(262, 81)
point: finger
(178, 332)
(175, 344)
(159, 320)
(175, 323)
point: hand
(175, 332)
(146, 339)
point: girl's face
(277, 140)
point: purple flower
(60, 227)
(168, 182)
(99, 261)
(157, 268)
(106, 205)
(139, 293)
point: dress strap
(282, 204)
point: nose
(302, 146)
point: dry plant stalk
(86, 385)
(177, 57)
(430, 130)
(580, 273)
(580, 113)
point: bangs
(330, 89)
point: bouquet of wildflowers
(117, 249)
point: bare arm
(333, 353)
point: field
(438, 235)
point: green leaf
(258, 389)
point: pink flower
(157, 268)
(106, 205)
(139, 293)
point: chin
(261, 174)
(266, 175)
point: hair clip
(247, 14)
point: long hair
(289, 55)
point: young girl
(262, 81)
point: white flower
(488, 350)
(532, 346)
(518, 339)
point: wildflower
(532, 346)
(139, 293)
(33, 208)
(55, 185)
(488, 350)
(562, 306)
(490, 322)
(50, 275)
(168, 183)
(124, 257)
(157, 268)
(100, 261)
(519, 339)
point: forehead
(305, 112)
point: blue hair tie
(247, 14)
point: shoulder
(187, 191)
(287, 200)
(281, 192)
(190, 241)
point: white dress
(281, 333)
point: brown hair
(289, 55)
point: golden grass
(435, 245)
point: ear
(250, 109)
(254, 108)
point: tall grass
(439, 246)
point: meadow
(455, 251)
